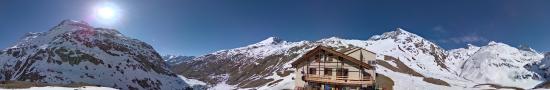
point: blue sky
(196, 27)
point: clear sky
(196, 27)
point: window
(324, 57)
(312, 71)
(317, 58)
(342, 72)
(366, 75)
(371, 62)
(328, 71)
(330, 57)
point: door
(327, 87)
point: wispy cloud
(439, 29)
(470, 38)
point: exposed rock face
(175, 59)
(74, 52)
(266, 63)
(414, 60)
(500, 63)
(413, 44)
(245, 67)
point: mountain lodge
(323, 68)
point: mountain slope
(502, 64)
(74, 52)
(243, 67)
(175, 59)
(275, 55)
(542, 68)
(460, 68)
(410, 61)
(413, 62)
(457, 57)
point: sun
(107, 13)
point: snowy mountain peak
(526, 48)
(30, 35)
(409, 56)
(176, 59)
(499, 45)
(470, 46)
(74, 52)
(400, 30)
(270, 40)
(398, 34)
(331, 39)
(491, 43)
(69, 26)
(334, 38)
(70, 22)
(500, 59)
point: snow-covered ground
(74, 51)
(65, 88)
(471, 67)
(285, 83)
(192, 82)
(223, 86)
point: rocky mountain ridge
(404, 57)
(75, 52)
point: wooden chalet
(323, 68)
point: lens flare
(107, 13)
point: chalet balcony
(339, 80)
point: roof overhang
(319, 48)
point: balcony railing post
(338, 79)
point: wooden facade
(326, 69)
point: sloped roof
(354, 49)
(320, 48)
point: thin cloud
(470, 38)
(439, 29)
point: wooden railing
(338, 80)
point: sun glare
(107, 13)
